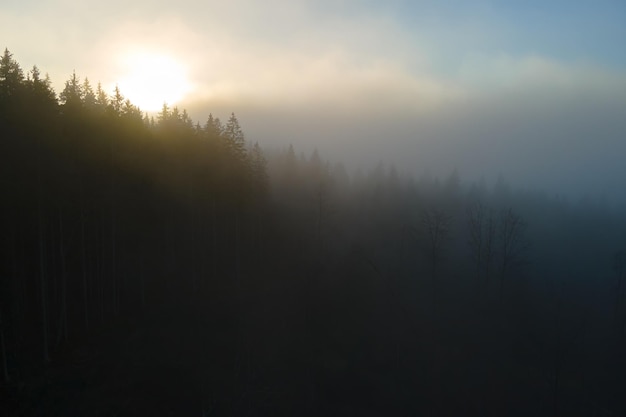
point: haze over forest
(535, 93)
(312, 208)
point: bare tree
(490, 239)
(437, 228)
(512, 243)
(323, 204)
(619, 266)
(482, 235)
(475, 219)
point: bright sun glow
(151, 79)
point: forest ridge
(159, 265)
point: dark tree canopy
(151, 264)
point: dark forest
(162, 266)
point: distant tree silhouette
(11, 77)
(43, 95)
(164, 114)
(258, 165)
(288, 167)
(436, 226)
(72, 95)
(322, 190)
(511, 243)
(234, 139)
(482, 230)
(619, 267)
(102, 100)
(89, 97)
(260, 189)
(117, 100)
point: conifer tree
(235, 140)
(213, 127)
(89, 97)
(102, 100)
(259, 171)
(164, 114)
(117, 101)
(11, 76)
(72, 95)
(40, 89)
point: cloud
(513, 73)
(420, 86)
(541, 123)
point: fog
(562, 139)
(312, 208)
(489, 89)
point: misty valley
(157, 265)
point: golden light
(151, 79)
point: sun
(151, 79)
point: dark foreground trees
(101, 206)
(155, 266)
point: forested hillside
(158, 265)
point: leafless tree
(437, 229)
(619, 266)
(512, 243)
(482, 236)
(323, 204)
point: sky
(534, 91)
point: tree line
(93, 191)
(437, 296)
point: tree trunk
(114, 283)
(84, 267)
(102, 269)
(237, 265)
(142, 284)
(193, 242)
(214, 239)
(5, 370)
(19, 290)
(62, 335)
(42, 278)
